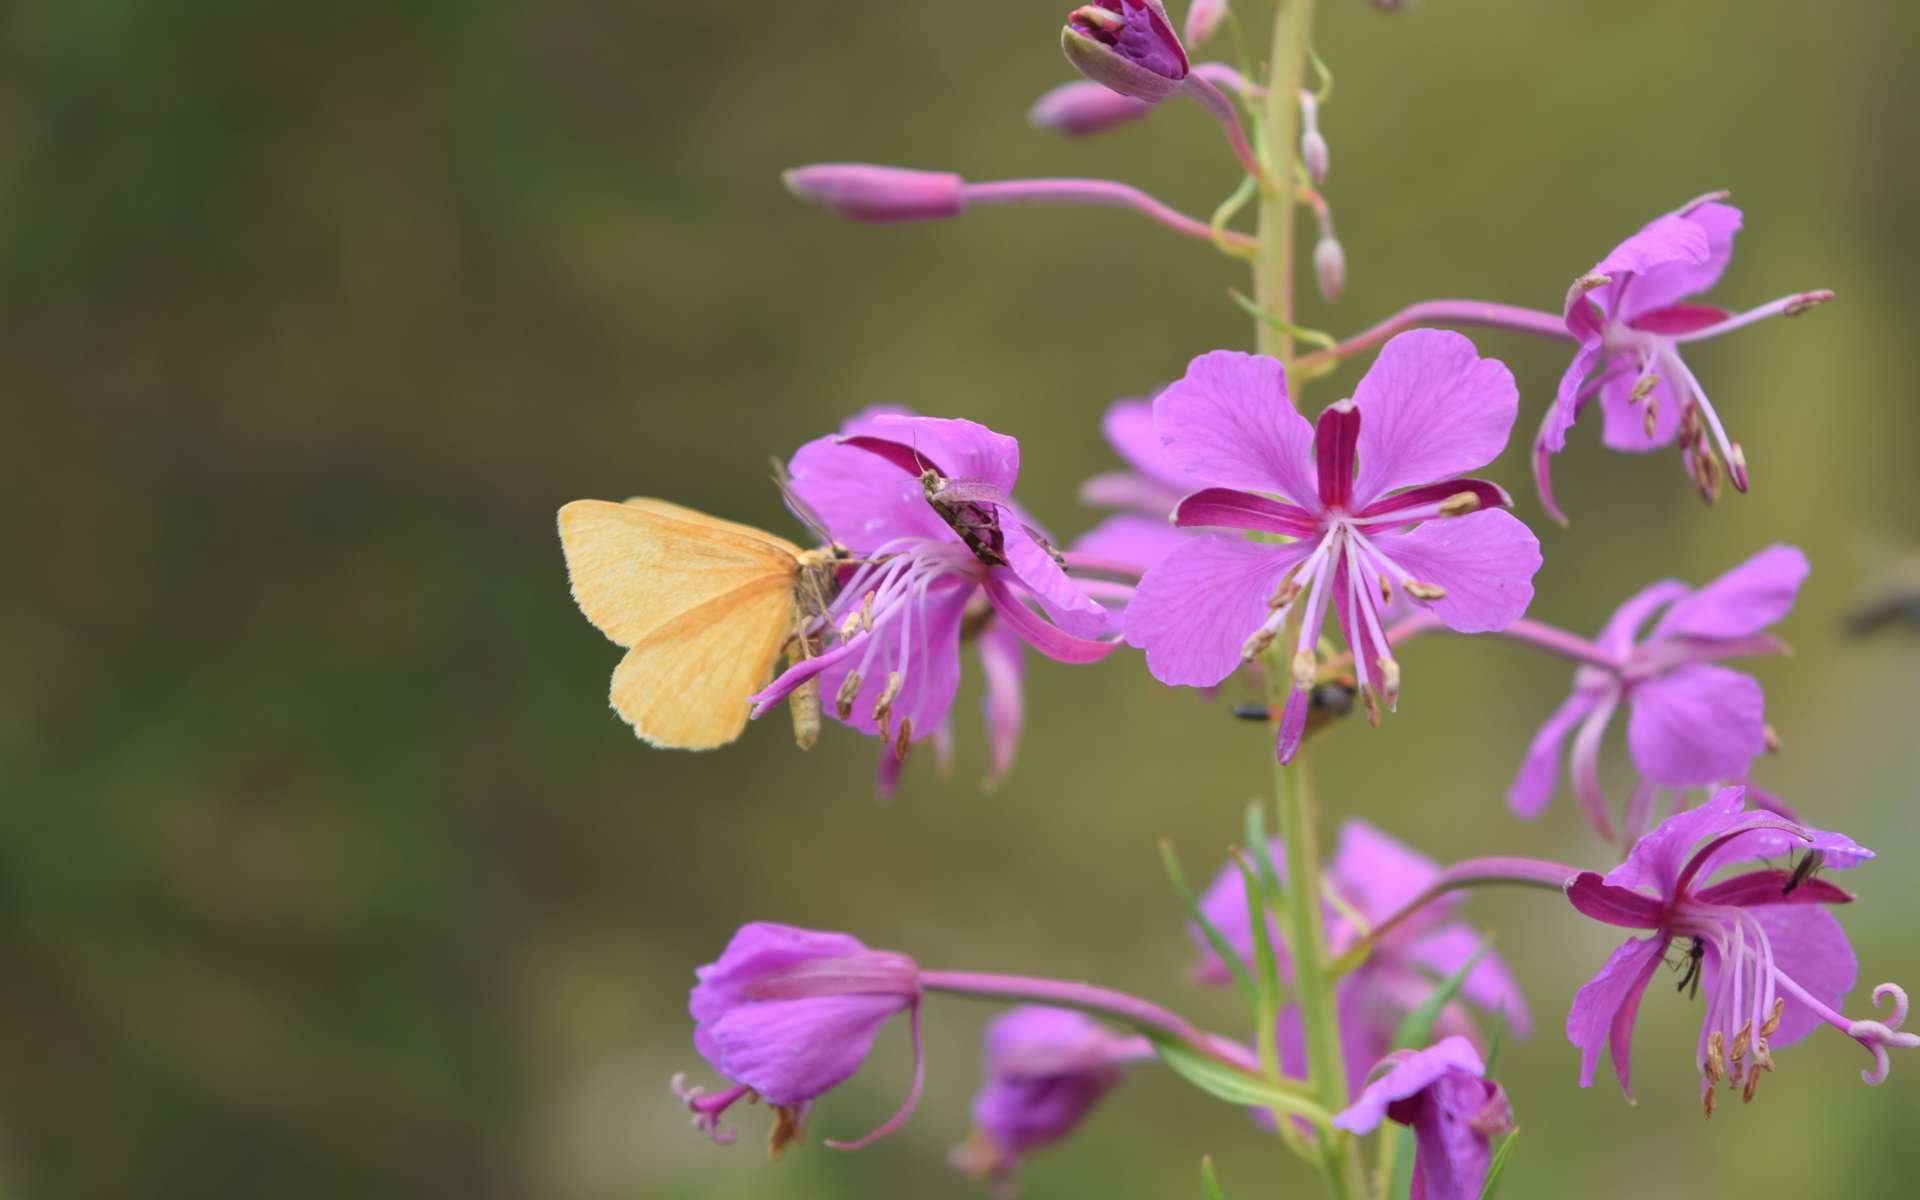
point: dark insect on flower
(1803, 870)
(1690, 982)
(1329, 700)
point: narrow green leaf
(1418, 1027)
(1209, 1183)
(1403, 1151)
(1498, 1038)
(1219, 1080)
(1266, 968)
(1249, 994)
(1262, 859)
(1498, 1167)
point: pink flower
(1374, 876)
(1771, 962)
(788, 1014)
(1083, 107)
(1126, 45)
(1141, 533)
(1454, 1112)
(1690, 721)
(1630, 316)
(1046, 1069)
(938, 544)
(1428, 409)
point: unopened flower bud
(863, 192)
(1329, 265)
(1084, 107)
(1126, 45)
(1313, 147)
(1203, 17)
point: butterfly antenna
(783, 480)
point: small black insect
(1332, 699)
(1803, 870)
(1690, 982)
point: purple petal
(1431, 408)
(1662, 284)
(1677, 319)
(1624, 419)
(1485, 560)
(1613, 992)
(1379, 875)
(1741, 603)
(755, 951)
(930, 671)
(1003, 665)
(863, 501)
(1810, 948)
(791, 1051)
(957, 448)
(1128, 427)
(1663, 244)
(1194, 611)
(1623, 627)
(1533, 787)
(1293, 725)
(1657, 860)
(1614, 905)
(1559, 418)
(1229, 421)
(1453, 1122)
(1055, 643)
(1415, 1072)
(1490, 985)
(1770, 887)
(1229, 508)
(1139, 541)
(1071, 609)
(1696, 724)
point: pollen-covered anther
(1305, 667)
(785, 1132)
(1457, 505)
(1708, 1099)
(1284, 595)
(1386, 592)
(1257, 644)
(1424, 591)
(1736, 1056)
(1737, 463)
(1586, 283)
(1643, 387)
(1774, 744)
(848, 693)
(1753, 1083)
(1371, 703)
(883, 707)
(905, 740)
(1773, 1018)
(1389, 677)
(1652, 416)
(1716, 1060)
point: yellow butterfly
(703, 606)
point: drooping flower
(941, 550)
(1428, 409)
(1082, 107)
(1690, 721)
(1141, 532)
(787, 1014)
(1126, 45)
(1769, 960)
(1046, 1069)
(1631, 316)
(1373, 877)
(1453, 1110)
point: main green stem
(1273, 263)
(1293, 789)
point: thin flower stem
(1105, 193)
(1474, 313)
(1273, 266)
(1555, 640)
(1473, 872)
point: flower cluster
(1244, 533)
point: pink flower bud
(1313, 147)
(1329, 265)
(1083, 107)
(1203, 17)
(863, 192)
(1126, 45)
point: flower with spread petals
(786, 1015)
(1373, 877)
(1759, 947)
(939, 550)
(1141, 532)
(1126, 45)
(1690, 720)
(1046, 1069)
(1631, 315)
(1442, 1094)
(1368, 504)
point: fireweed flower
(1126, 45)
(1690, 721)
(923, 506)
(1630, 316)
(1770, 962)
(1046, 1068)
(1140, 533)
(1373, 877)
(1082, 107)
(1455, 1112)
(1427, 409)
(787, 1014)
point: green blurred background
(325, 869)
